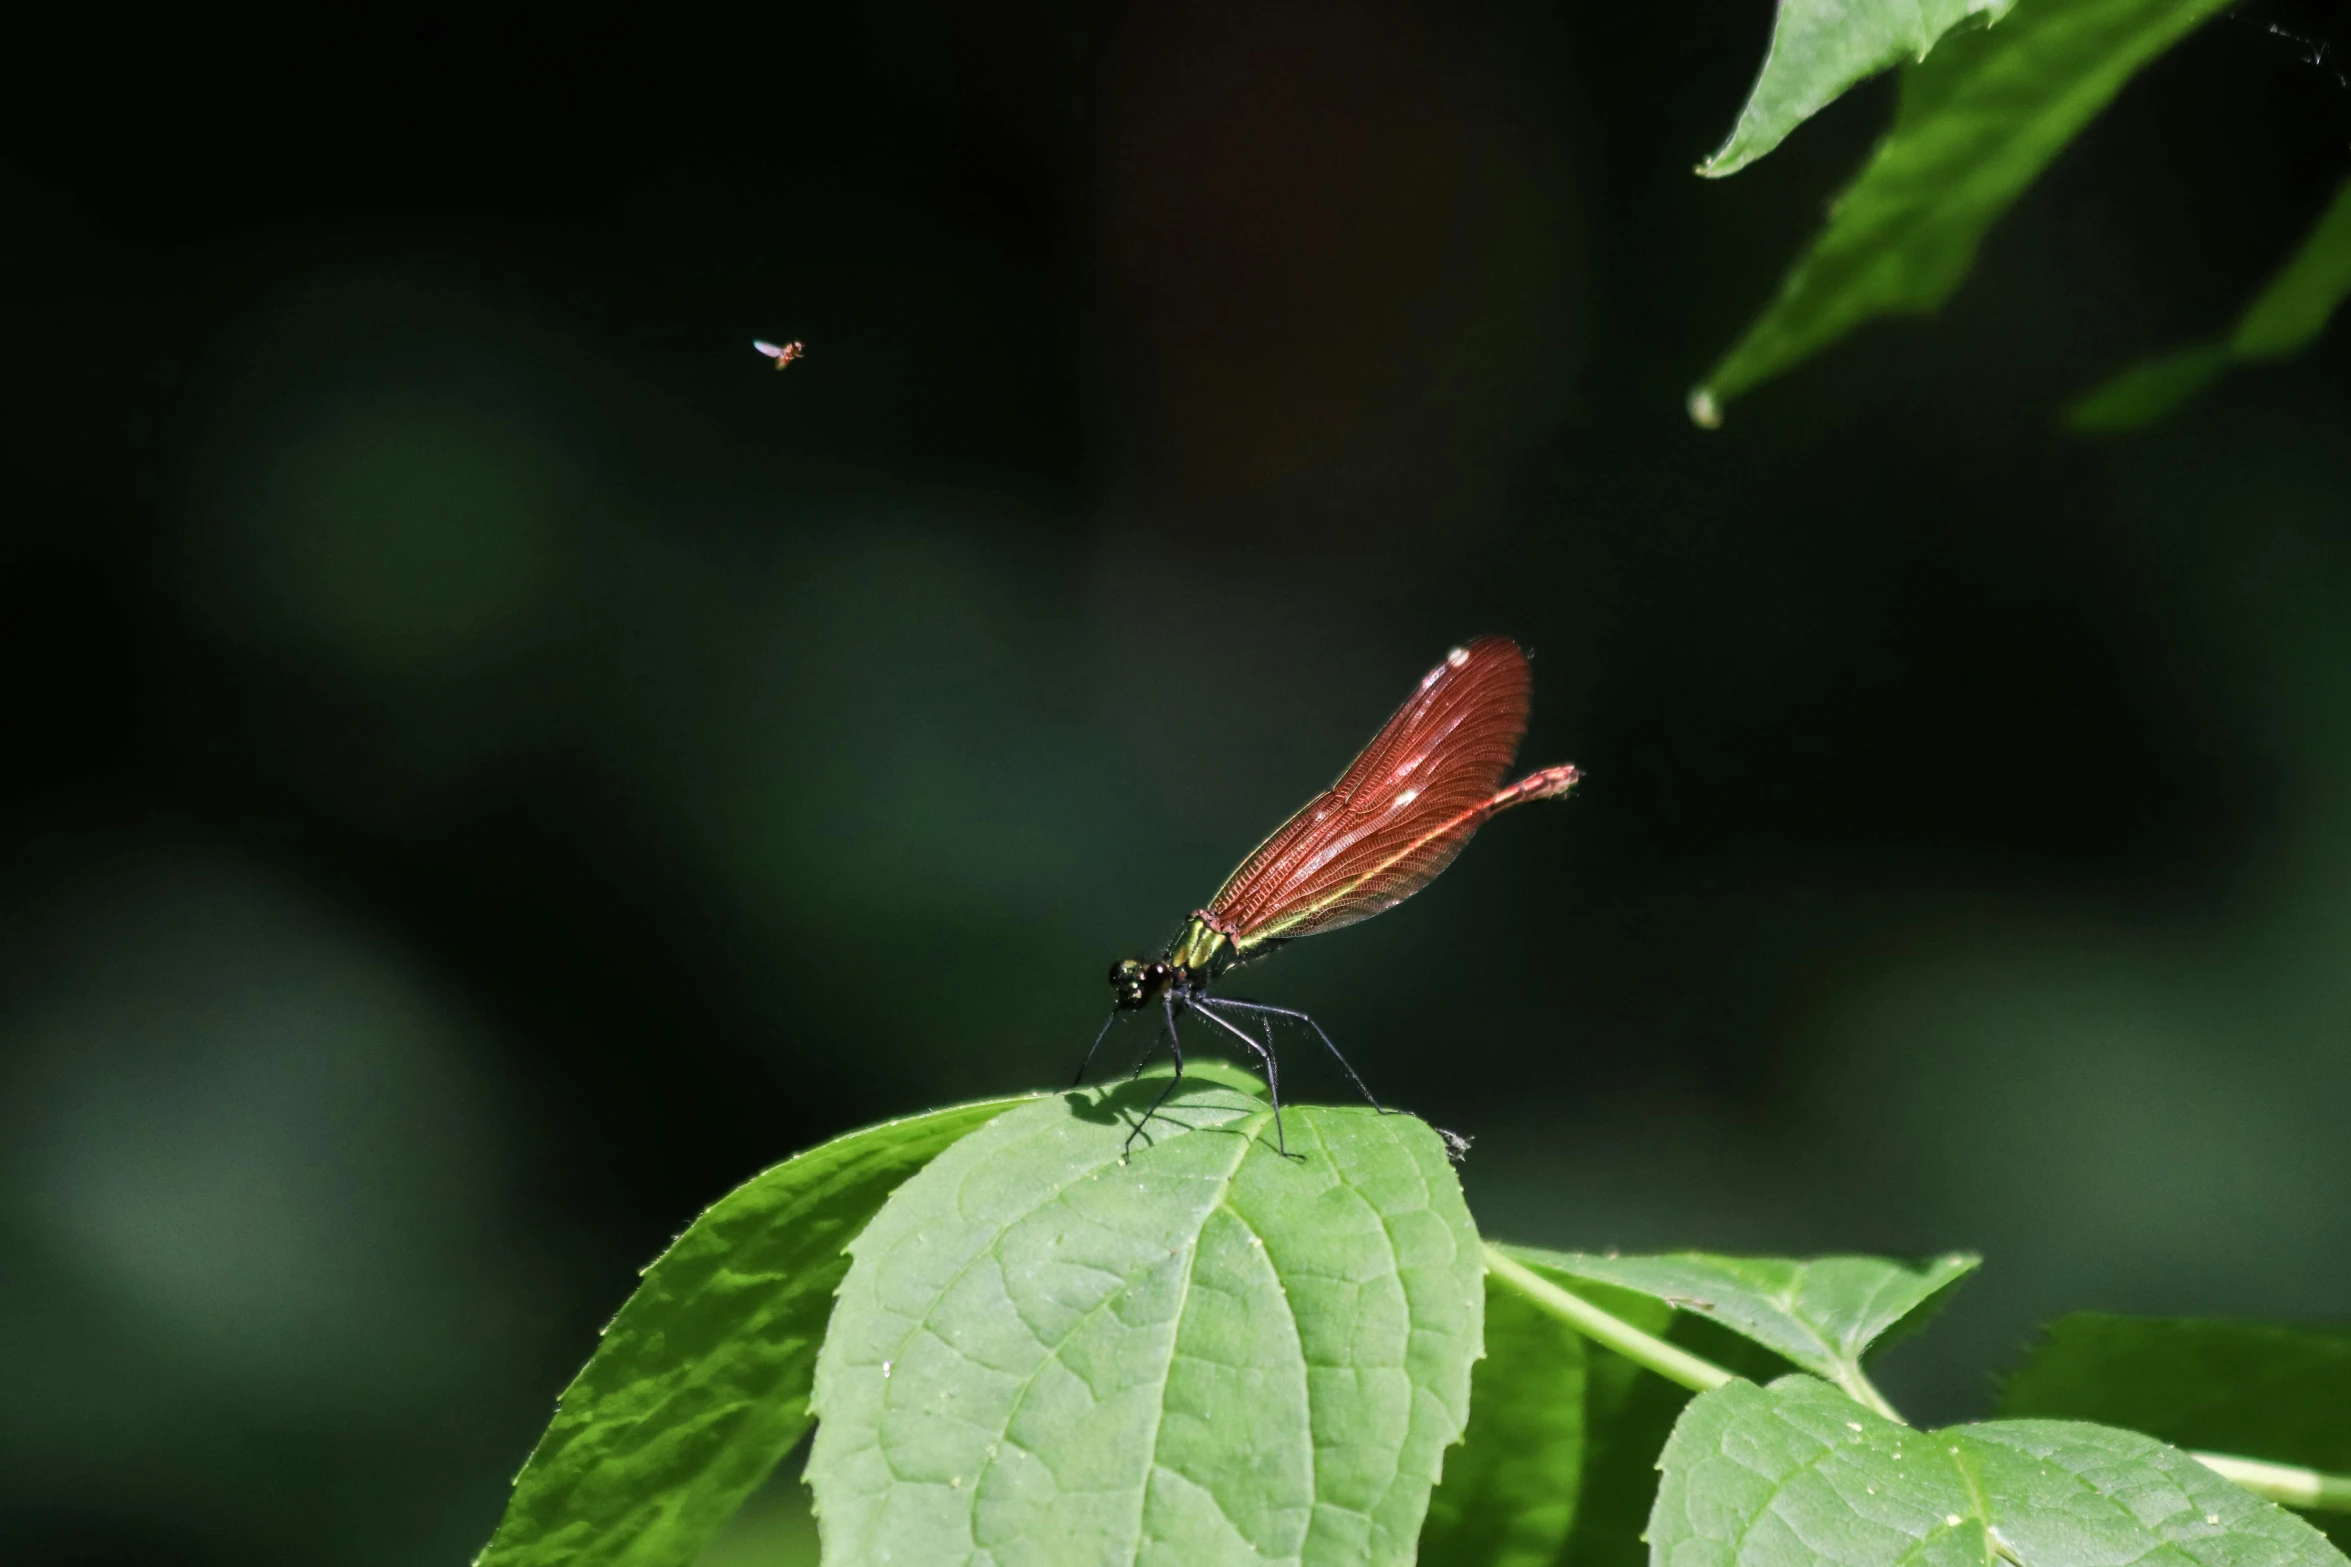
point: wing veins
(1340, 893)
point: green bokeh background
(494, 763)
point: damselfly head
(1134, 983)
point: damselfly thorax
(1191, 962)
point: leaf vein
(1247, 1140)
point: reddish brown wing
(1398, 815)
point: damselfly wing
(1399, 814)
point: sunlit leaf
(1045, 1352)
(1823, 1315)
(701, 1383)
(1796, 1474)
(1510, 1490)
(1821, 47)
(1979, 119)
(2286, 317)
(2247, 1388)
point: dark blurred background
(493, 764)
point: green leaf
(2283, 319)
(1824, 1316)
(2249, 1388)
(1979, 119)
(1509, 1494)
(1796, 1473)
(2149, 389)
(701, 1383)
(1821, 47)
(1559, 1464)
(773, 1528)
(2290, 313)
(1628, 1412)
(1046, 1353)
(2061, 1490)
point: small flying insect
(782, 353)
(1403, 809)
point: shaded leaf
(1796, 1473)
(700, 1384)
(2149, 389)
(1509, 1494)
(1823, 1315)
(1979, 119)
(2249, 1388)
(1045, 1353)
(1821, 47)
(1628, 1412)
(2286, 317)
(2296, 305)
(773, 1528)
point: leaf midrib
(1224, 1192)
(1825, 1453)
(987, 1253)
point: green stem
(2286, 1483)
(1863, 1391)
(1642, 1349)
(2308, 1489)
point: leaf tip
(1705, 411)
(1734, 155)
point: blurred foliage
(495, 764)
(2283, 319)
(1979, 119)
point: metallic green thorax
(1193, 959)
(1202, 951)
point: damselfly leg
(1090, 1049)
(1273, 1076)
(1175, 1048)
(1295, 1015)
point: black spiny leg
(1090, 1049)
(1290, 1012)
(1273, 1076)
(1175, 1048)
(1152, 1049)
